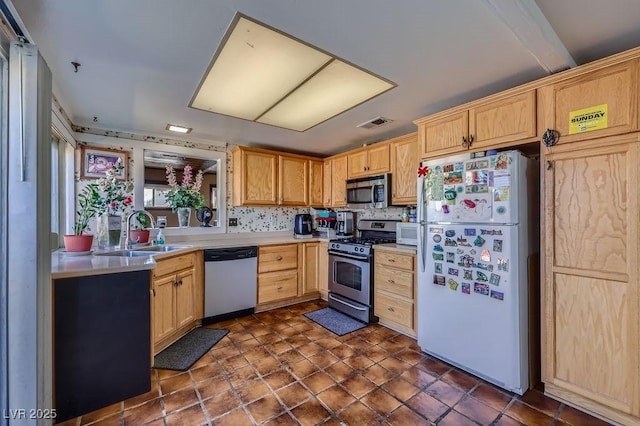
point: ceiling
(142, 60)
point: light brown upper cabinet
(335, 175)
(268, 178)
(293, 181)
(495, 123)
(612, 90)
(316, 183)
(255, 177)
(368, 161)
(404, 166)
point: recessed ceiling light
(264, 75)
(178, 129)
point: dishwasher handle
(230, 253)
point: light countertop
(64, 265)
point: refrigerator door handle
(421, 221)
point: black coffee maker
(303, 226)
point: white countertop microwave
(407, 233)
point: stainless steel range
(351, 268)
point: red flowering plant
(106, 195)
(115, 195)
(186, 194)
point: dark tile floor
(278, 367)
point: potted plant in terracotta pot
(140, 232)
(89, 205)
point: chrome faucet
(128, 243)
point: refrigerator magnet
(481, 288)
(468, 274)
(466, 288)
(450, 233)
(497, 246)
(494, 279)
(436, 230)
(503, 265)
(438, 268)
(473, 251)
(459, 251)
(458, 167)
(485, 255)
(502, 161)
(453, 284)
(470, 232)
(479, 241)
(484, 266)
(453, 178)
(466, 261)
(453, 271)
(450, 242)
(501, 194)
(451, 257)
(481, 276)
(437, 256)
(463, 242)
(437, 238)
(498, 295)
(438, 279)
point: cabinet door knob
(391, 260)
(279, 258)
(548, 165)
(391, 309)
(279, 287)
(464, 142)
(391, 281)
(180, 282)
(470, 140)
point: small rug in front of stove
(334, 321)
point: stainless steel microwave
(371, 192)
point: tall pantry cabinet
(590, 217)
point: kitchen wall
(250, 219)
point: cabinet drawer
(394, 281)
(277, 258)
(396, 310)
(277, 285)
(169, 266)
(396, 260)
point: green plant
(88, 207)
(186, 194)
(142, 221)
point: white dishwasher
(230, 283)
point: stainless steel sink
(142, 251)
(156, 249)
(125, 253)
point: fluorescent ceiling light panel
(336, 88)
(263, 75)
(178, 129)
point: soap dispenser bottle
(160, 238)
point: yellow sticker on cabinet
(588, 119)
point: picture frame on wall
(96, 161)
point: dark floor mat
(335, 321)
(185, 352)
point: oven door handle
(348, 304)
(350, 256)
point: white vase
(184, 216)
(109, 230)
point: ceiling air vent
(376, 122)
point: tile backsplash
(263, 219)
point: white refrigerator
(475, 236)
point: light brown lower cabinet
(289, 273)
(323, 270)
(174, 307)
(395, 289)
